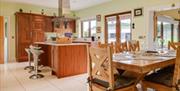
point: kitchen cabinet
(30, 28)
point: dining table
(143, 63)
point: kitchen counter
(64, 59)
(58, 44)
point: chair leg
(144, 87)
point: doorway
(6, 28)
(167, 27)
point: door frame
(1, 40)
(118, 28)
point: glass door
(125, 27)
(111, 29)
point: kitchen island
(64, 59)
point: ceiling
(75, 4)
(174, 13)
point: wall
(143, 24)
(8, 10)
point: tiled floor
(14, 78)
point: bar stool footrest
(36, 76)
(29, 67)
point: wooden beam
(172, 32)
(155, 25)
(162, 31)
(118, 29)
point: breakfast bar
(64, 59)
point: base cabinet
(65, 60)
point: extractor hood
(64, 13)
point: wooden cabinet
(30, 28)
(71, 26)
(65, 60)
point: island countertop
(58, 44)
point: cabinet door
(49, 24)
(23, 36)
(38, 28)
(72, 25)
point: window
(88, 28)
(167, 31)
(118, 27)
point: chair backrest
(100, 45)
(134, 45)
(100, 64)
(120, 47)
(176, 77)
(106, 45)
(173, 45)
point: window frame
(89, 27)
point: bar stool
(36, 53)
(36, 48)
(29, 59)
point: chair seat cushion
(163, 76)
(120, 82)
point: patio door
(1, 40)
(118, 27)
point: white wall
(143, 24)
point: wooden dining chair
(134, 45)
(106, 45)
(101, 72)
(173, 45)
(165, 80)
(118, 47)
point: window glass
(111, 29)
(93, 28)
(166, 33)
(88, 28)
(85, 29)
(175, 32)
(125, 25)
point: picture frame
(138, 12)
(98, 18)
